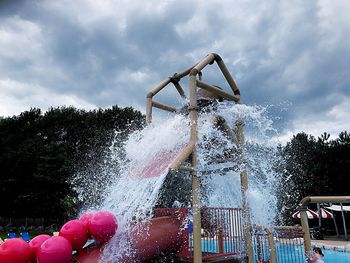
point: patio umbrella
(325, 213)
(310, 214)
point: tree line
(311, 166)
(41, 152)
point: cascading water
(131, 197)
(259, 157)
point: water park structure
(163, 231)
(231, 237)
(195, 81)
(181, 234)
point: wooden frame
(195, 80)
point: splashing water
(131, 197)
(259, 157)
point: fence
(222, 231)
(278, 244)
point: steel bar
(344, 224)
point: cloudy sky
(291, 56)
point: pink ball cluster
(58, 249)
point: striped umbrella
(325, 213)
(310, 214)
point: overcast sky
(292, 56)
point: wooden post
(305, 226)
(273, 257)
(220, 236)
(247, 227)
(197, 249)
(149, 110)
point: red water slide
(160, 234)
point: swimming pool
(336, 256)
(289, 254)
(285, 253)
(330, 256)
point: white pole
(319, 215)
(344, 224)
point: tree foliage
(312, 166)
(39, 153)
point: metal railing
(278, 244)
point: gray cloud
(100, 53)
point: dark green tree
(312, 167)
(40, 153)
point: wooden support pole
(149, 111)
(196, 206)
(228, 76)
(158, 88)
(217, 91)
(273, 256)
(180, 89)
(163, 106)
(305, 225)
(184, 154)
(247, 227)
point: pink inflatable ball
(15, 250)
(35, 244)
(85, 218)
(76, 233)
(55, 250)
(102, 226)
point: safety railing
(221, 233)
(278, 244)
(289, 245)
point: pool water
(336, 256)
(289, 254)
(330, 256)
(284, 253)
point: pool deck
(339, 245)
